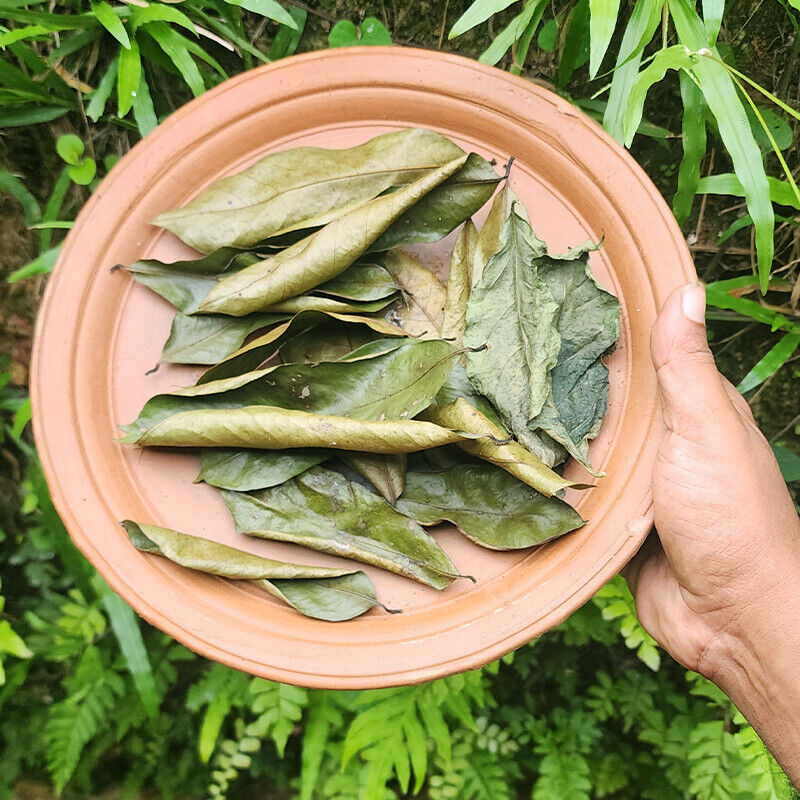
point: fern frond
(73, 722)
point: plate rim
(206, 647)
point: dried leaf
(588, 324)
(270, 428)
(487, 505)
(244, 470)
(511, 456)
(329, 305)
(396, 384)
(320, 592)
(387, 473)
(208, 338)
(304, 187)
(444, 208)
(421, 311)
(322, 510)
(361, 281)
(459, 284)
(511, 315)
(257, 351)
(489, 241)
(321, 256)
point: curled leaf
(304, 187)
(444, 208)
(459, 284)
(487, 505)
(319, 592)
(257, 351)
(489, 241)
(322, 255)
(495, 446)
(322, 510)
(269, 428)
(421, 310)
(387, 473)
(208, 338)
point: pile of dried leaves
(351, 398)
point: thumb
(693, 397)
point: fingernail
(693, 302)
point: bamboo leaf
(487, 505)
(641, 26)
(509, 456)
(602, 22)
(324, 511)
(254, 353)
(129, 71)
(319, 592)
(304, 188)
(421, 312)
(111, 22)
(321, 256)
(721, 95)
(771, 362)
(479, 11)
(459, 284)
(676, 57)
(694, 147)
(269, 428)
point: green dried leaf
(329, 305)
(321, 256)
(459, 284)
(330, 341)
(387, 473)
(270, 428)
(261, 348)
(319, 592)
(421, 311)
(208, 338)
(362, 281)
(494, 446)
(394, 385)
(305, 187)
(322, 510)
(587, 322)
(245, 470)
(487, 505)
(444, 208)
(511, 315)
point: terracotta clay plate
(99, 334)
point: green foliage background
(95, 703)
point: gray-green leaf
(304, 187)
(320, 592)
(487, 505)
(511, 314)
(322, 510)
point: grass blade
(478, 12)
(11, 184)
(780, 192)
(111, 22)
(287, 39)
(174, 45)
(40, 265)
(788, 461)
(500, 44)
(639, 31)
(143, 111)
(99, 97)
(602, 21)
(577, 30)
(723, 100)
(128, 73)
(53, 207)
(712, 19)
(125, 625)
(772, 361)
(693, 131)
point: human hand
(718, 587)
